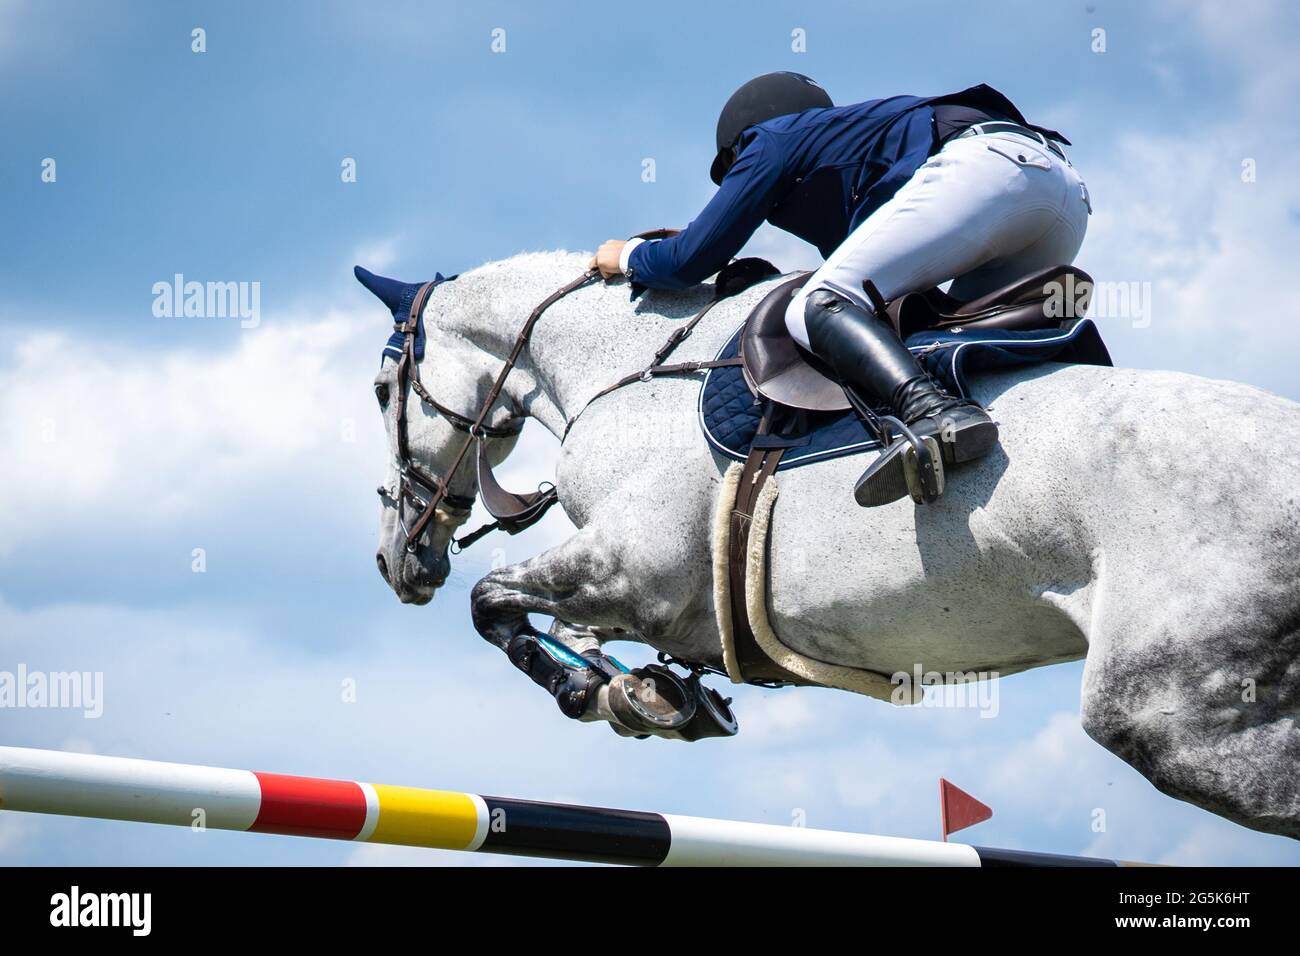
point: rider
(906, 192)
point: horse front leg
(1200, 694)
(587, 586)
(581, 582)
(588, 642)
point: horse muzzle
(413, 578)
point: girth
(756, 667)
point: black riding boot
(867, 355)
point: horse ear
(388, 291)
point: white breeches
(984, 210)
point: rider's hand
(607, 258)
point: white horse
(1144, 520)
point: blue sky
(131, 440)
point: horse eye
(381, 393)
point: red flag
(958, 809)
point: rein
(441, 499)
(514, 512)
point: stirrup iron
(908, 465)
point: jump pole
(147, 791)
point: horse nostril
(383, 567)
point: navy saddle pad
(729, 412)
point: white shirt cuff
(626, 254)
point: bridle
(431, 494)
(513, 512)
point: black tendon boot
(866, 353)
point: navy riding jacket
(817, 174)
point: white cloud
(788, 253)
(378, 255)
(118, 440)
(1172, 209)
(778, 718)
(1258, 39)
(139, 438)
(1174, 212)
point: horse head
(429, 388)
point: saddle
(794, 382)
(777, 368)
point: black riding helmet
(762, 98)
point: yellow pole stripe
(411, 816)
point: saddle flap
(774, 365)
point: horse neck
(584, 342)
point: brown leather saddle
(778, 369)
(794, 381)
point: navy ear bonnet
(398, 296)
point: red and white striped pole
(117, 788)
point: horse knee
(484, 592)
(493, 610)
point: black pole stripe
(990, 856)
(558, 830)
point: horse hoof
(656, 703)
